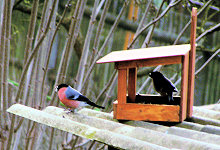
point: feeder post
(192, 54)
(122, 86)
(132, 78)
(184, 87)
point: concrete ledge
(102, 127)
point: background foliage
(44, 43)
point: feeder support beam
(192, 55)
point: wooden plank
(115, 110)
(149, 62)
(132, 78)
(184, 87)
(156, 99)
(122, 86)
(146, 53)
(192, 55)
(148, 112)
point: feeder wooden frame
(127, 62)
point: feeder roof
(145, 53)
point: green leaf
(13, 82)
(97, 109)
(62, 104)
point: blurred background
(48, 42)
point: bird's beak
(56, 89)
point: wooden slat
(132, 78)
(115, 110)
(148, 112)
(122, 86)
(149, 62)
(192, 55)
(146, 53)
(184, 87)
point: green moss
(89, 134)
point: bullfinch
(72, 98)
(163, 85)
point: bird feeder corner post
(122, 86)
(132, 79)
(184, 87)
(192, 54)
(122, 90)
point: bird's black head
(155, 74)
(60, 86)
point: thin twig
(8, 15)
(51, 139)
(105, 43)
(152, 22)
(179, 80)
(97, 36)
(6, 55)
(68, 46)
(102, 147)
(82, 144)
(90, 147)
(74, 143)
(99, 7)
(31, 29)
(2, 49)
(208, 31)
(29, 136)
(85, 52)
(106, 86)
(201, 4)
(20, 88)
(144, 17)
(110, 90)
(50, 50)
(100, 27)
(150, 33)
(187, 25)
(73, 32)
(205, 64)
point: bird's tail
(95, 105)
(85, 99)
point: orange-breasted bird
(72, 98)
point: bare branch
(152, 22)
(144, 16)
(107, 85)
(85, 53)
(21, 83)
(105, 43)
(50, 50)
(187, 25)
(150, 33)
(205, 64)
(216, 27)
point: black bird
(163, 85)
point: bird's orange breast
(67, 102)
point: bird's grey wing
(72, 93)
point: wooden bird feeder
(130, 106)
